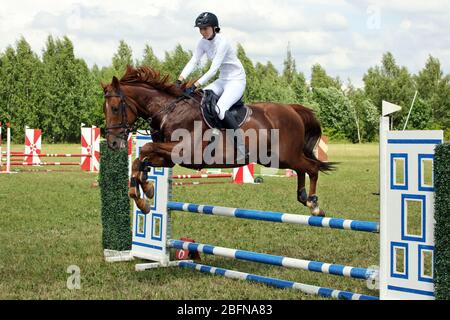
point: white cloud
(407, 6)
(336, 21)
(333, 33)
(338, 59)
(406, 25)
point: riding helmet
(207, 19)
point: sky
(346, 37)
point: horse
(144, 93)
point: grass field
(50, 221)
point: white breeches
(229, 91)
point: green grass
(50, 221)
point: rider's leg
(217, 87)
(233, 91)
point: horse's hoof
(132, 193)
(318, 212)
(150, 193)
(149, 190)
(143, 206)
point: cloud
(338, 58)
(335, 21)
(345, 36)
(407, 7)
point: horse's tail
(313, 132)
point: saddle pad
(240, 113)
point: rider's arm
(215, 65)
(192, 63)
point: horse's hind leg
(302, 196)
(313, 199)
(312, 169)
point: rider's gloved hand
(189, 91)
(178, 83)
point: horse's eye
(115, 109)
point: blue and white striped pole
(334, 269)
(334, 223)
(283, 284)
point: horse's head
(119, 115)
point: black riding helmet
(206, 19)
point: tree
(392, 83)
(20, 90)
(335, 113)
(434, 90)
(367, 115)
(122, 58)
(149, 59)
(441, 105)
(320, 78)
(428, 79)
(299, 87)
(59, 92)
(250, 94)
(421, 115)
(175, 61)
(271, 86)
(289, 70)
(68, 92)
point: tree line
(57, 91)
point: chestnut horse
(143, 93)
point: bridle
(124, 121)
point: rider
(231, 83)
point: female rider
(231, 83)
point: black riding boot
(231, 123)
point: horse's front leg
(135, 183)
(143, 169)
(151, 155)
(156, 154)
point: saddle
(208, 108)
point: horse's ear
(104, 86)
(115, 83)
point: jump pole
(278, 283)
(8, 147)
(1, 153)
(89, 156)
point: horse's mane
(146, 76)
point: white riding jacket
(223, 56)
